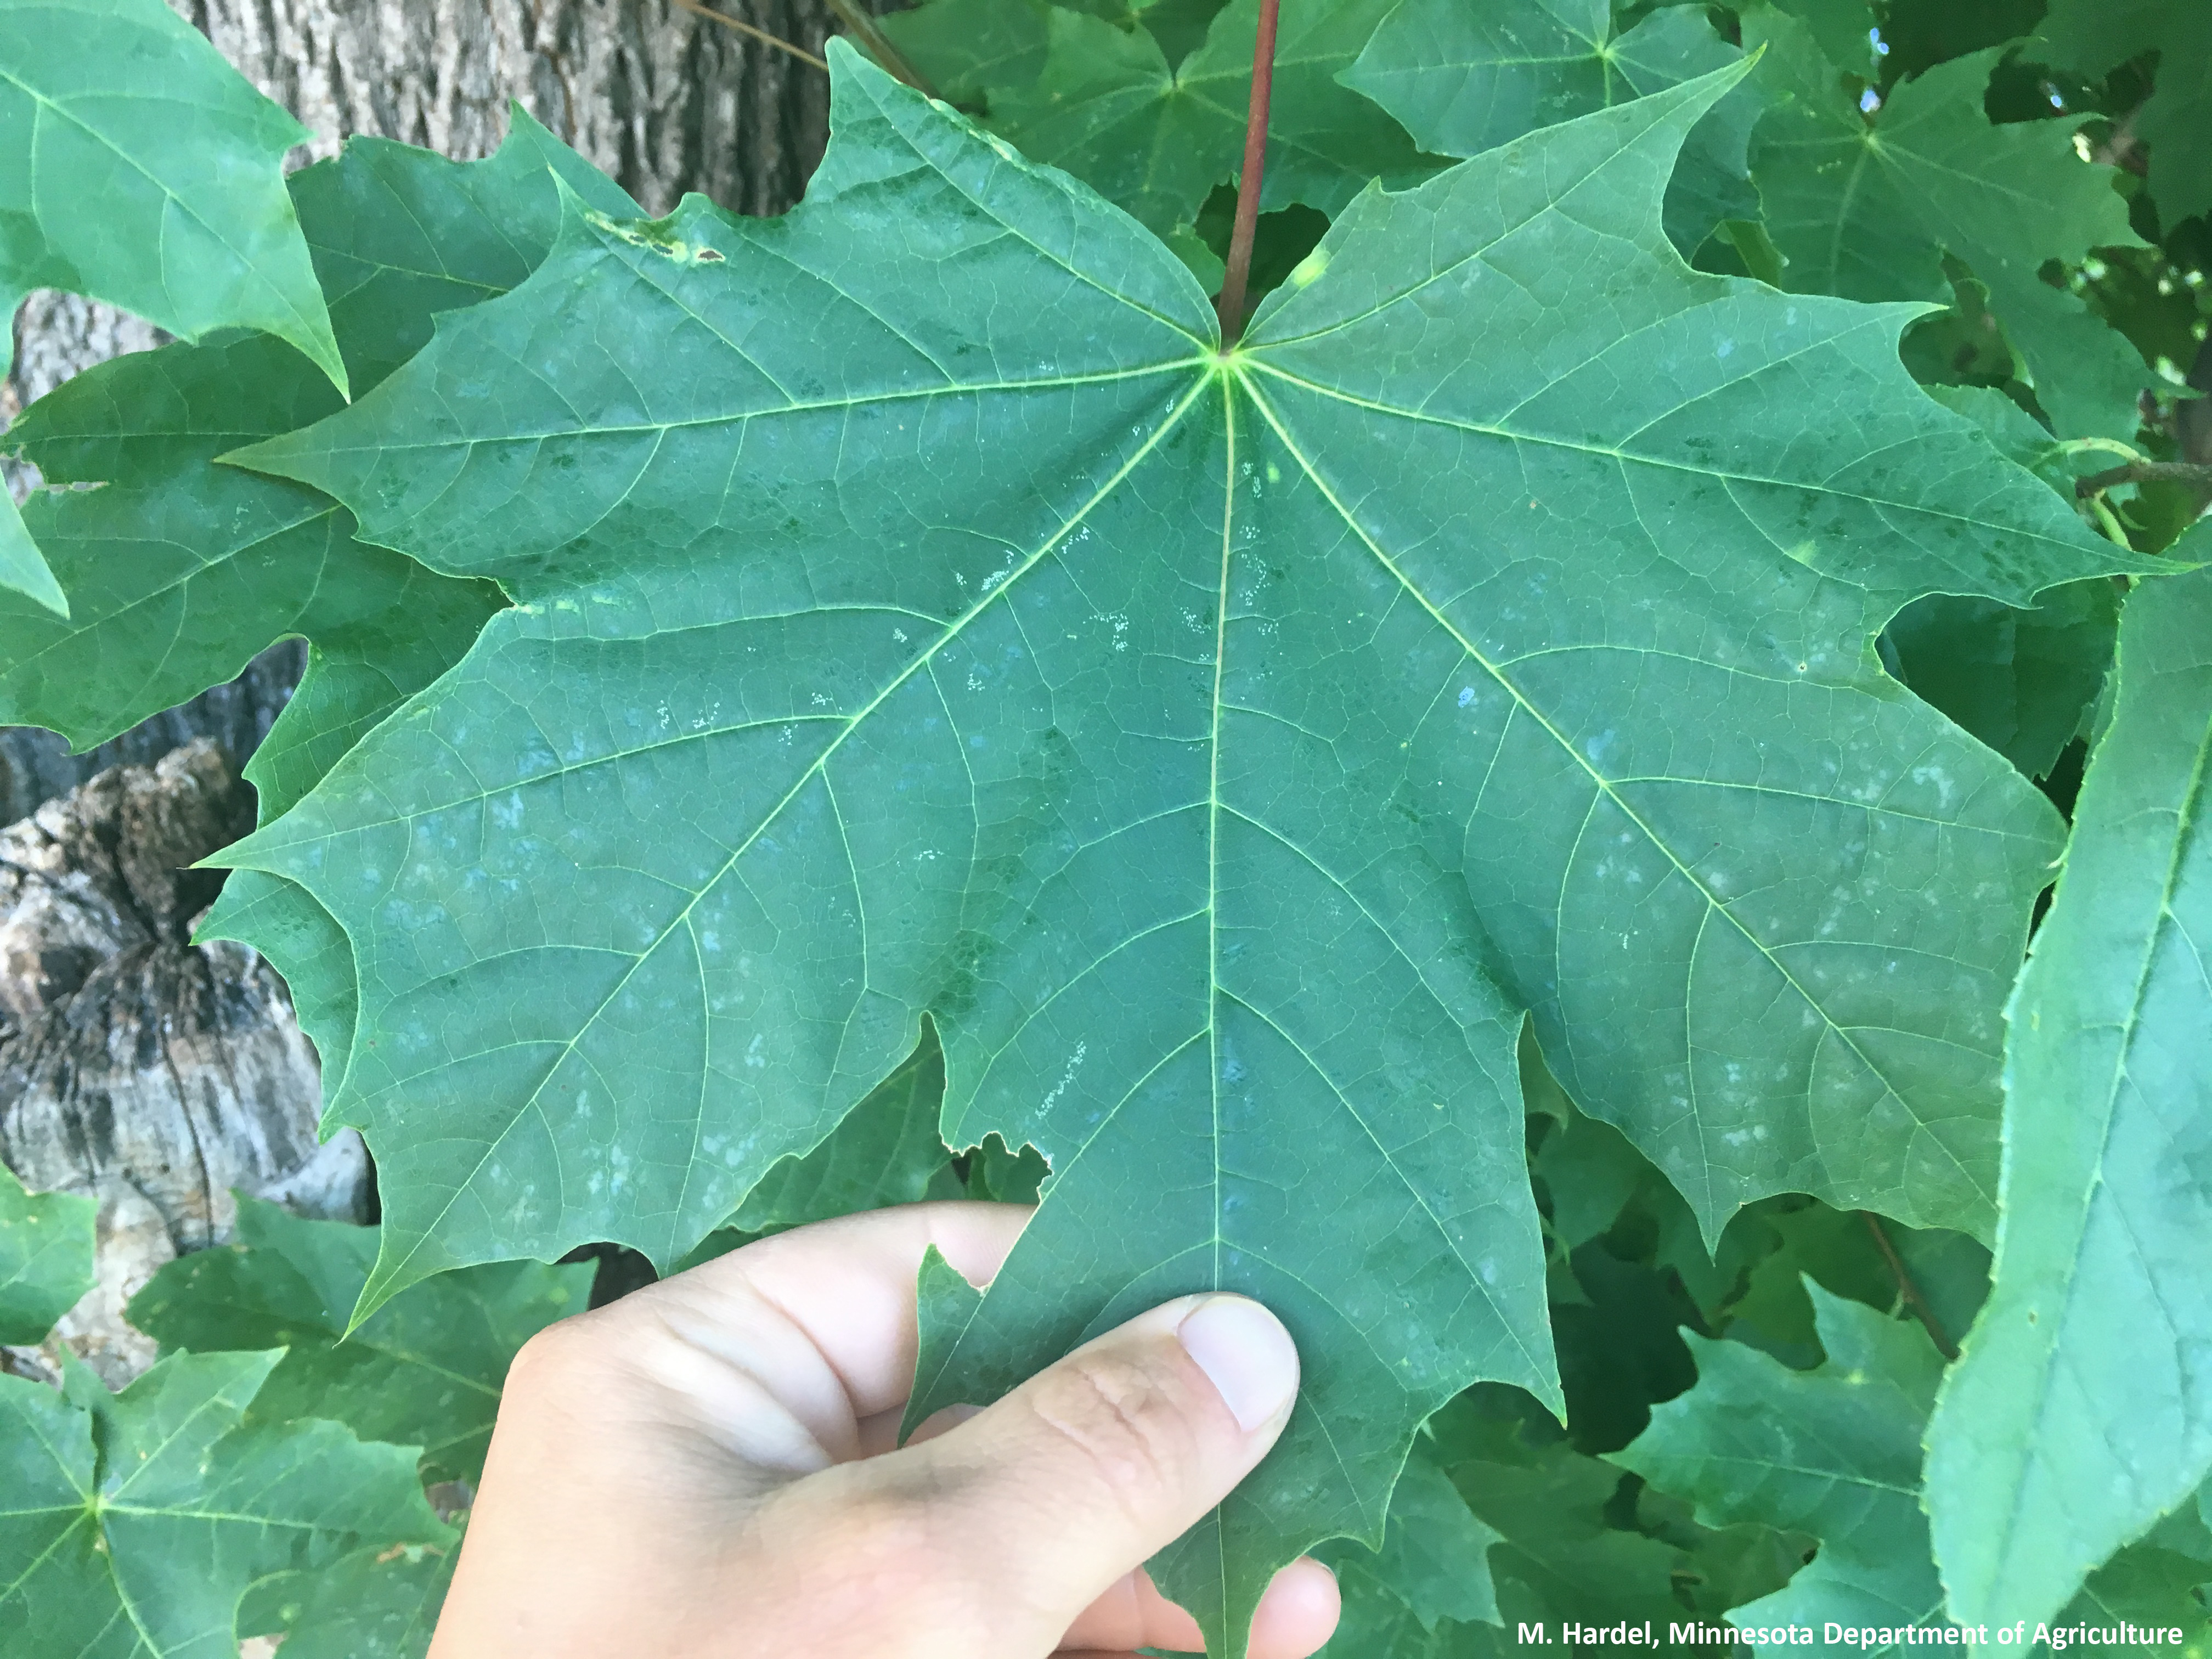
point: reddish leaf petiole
(1229, 306)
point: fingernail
(1247, 1355)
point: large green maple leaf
(1868, 207)
(919, 614)
(124, 105)
(2079, 1412)
(132, 1523)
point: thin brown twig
(1910, 1292)
(880, 47)
(2198, 475)
(759, 34)
(1230, 305)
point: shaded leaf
(2094, 37)
(884, 1151)
(888, 651)
(194, 567)
(1559, 1556)
(307, 947)
(399, 235)
(1868, 206)
(2018, 680)
(1834, 1452)
(1408, 1600)
(971, 48)
(46, 1258)
(425, 1369)
(1462, 79)
(2080, 1413)
(140, 1518)
(179, 571)
(1434, 1561)
(1155, 138)
(23, 568)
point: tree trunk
(156, 1075)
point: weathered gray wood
(157, 1076)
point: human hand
(705, 1470)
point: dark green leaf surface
(132, 1523)
(183, 569)
(1867, 207)
(2080, 1413)
(2018, 680)
(1435, 1558)
(46, 1258)
(1845, 29)
(884, 1151)
(971, 48)
(1170, 730)
(2019, 436)
(1560, 1557)
(2094, 37)
(1833, 1452)
(124, 104)
(1154, 137)
(1466, 78)
(283, 921)
(1431, 1574)
(425, 1369)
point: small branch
(2110, 445)
(2195, 475)
(2121, 147)
(1906, 1288)
(759, 34)
(1230, 305)
(863, 27)
(2109, 522)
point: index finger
(824, 1316)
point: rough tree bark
(155, 1075)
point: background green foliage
(1525, 791)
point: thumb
(1072, 1481)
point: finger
(1297, 1615)
(1041, 1503)
(779, 1351)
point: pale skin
(708, 1469)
